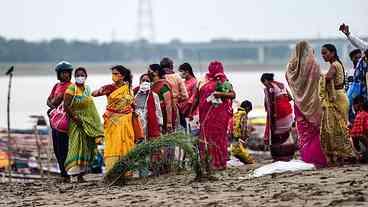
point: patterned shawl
(302, 75)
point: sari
(147, 105)
(118, 126)
(169, 118)
(339, 91)
(303, 73)
(334, 132)
(309, 143)
(186, 105)
(279, 122)
(168, 107)
(82, 139)
(214, 120)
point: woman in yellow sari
(335, 106)
(118, 127)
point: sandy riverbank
(345, 186)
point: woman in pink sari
(303, 74)
(215, 95)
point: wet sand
(345, 186)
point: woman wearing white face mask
(84, 125)
(148, 106)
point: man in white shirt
(360, 44)
(360, 68)
(354, 40)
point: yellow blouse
(339, 77)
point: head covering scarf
(302, 75)
(216, 71)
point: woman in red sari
(163, 89)
(186, 72)
(215, 95)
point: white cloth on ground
(281, 167)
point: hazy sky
(189, 20)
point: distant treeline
(18, 50)
(269, 52)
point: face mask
(115, 78)
(80, 79)
(145, 86)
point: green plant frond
(138, 157)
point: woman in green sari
(84, 126)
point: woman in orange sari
(118, 127)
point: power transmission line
(145, 25)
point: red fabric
(106, 90)
(277, 107)
(186, 105)
(59, 89)
(214, 122)
(153, 127)
(126, 110)
(216, 71)
(360, 125)
(166, 102)
(283, 107)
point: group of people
(329, 109)
(163, 103)
(331, 124)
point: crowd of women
(329, 109)
(331, 127)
